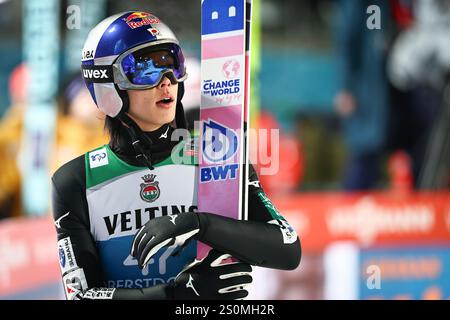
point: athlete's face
(153, 107)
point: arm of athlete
(81, 265)
(265, 240)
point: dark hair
(114, 127)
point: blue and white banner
(41, 53)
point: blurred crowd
(389, 105)
(79, 129)
(393, 80)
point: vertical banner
(41, 46)
(82, 16)
(222, 112)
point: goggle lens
(147, 67)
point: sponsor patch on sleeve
(99, 293)
(74, 284)
(67, 259)
(98, 158)
(289, 234)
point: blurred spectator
(79, 129)
(399, 170)
(363, 98)
(421, 52)
(418, 65)
(10, 137)
(80, 124)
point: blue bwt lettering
(218, 173)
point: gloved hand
(162, 232)
(208, 279)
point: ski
(225, 44)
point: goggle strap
(97, 73)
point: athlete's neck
(161, 133)
(160, 148)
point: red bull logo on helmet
(139, 19)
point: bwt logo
(219, 145)
(219, 173)
(219, 142)
(98, 156)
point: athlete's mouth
(165, 102)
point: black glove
(208, 279)
(161, 232)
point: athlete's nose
(165, 82)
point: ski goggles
(143, 67)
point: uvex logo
(95, 74)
